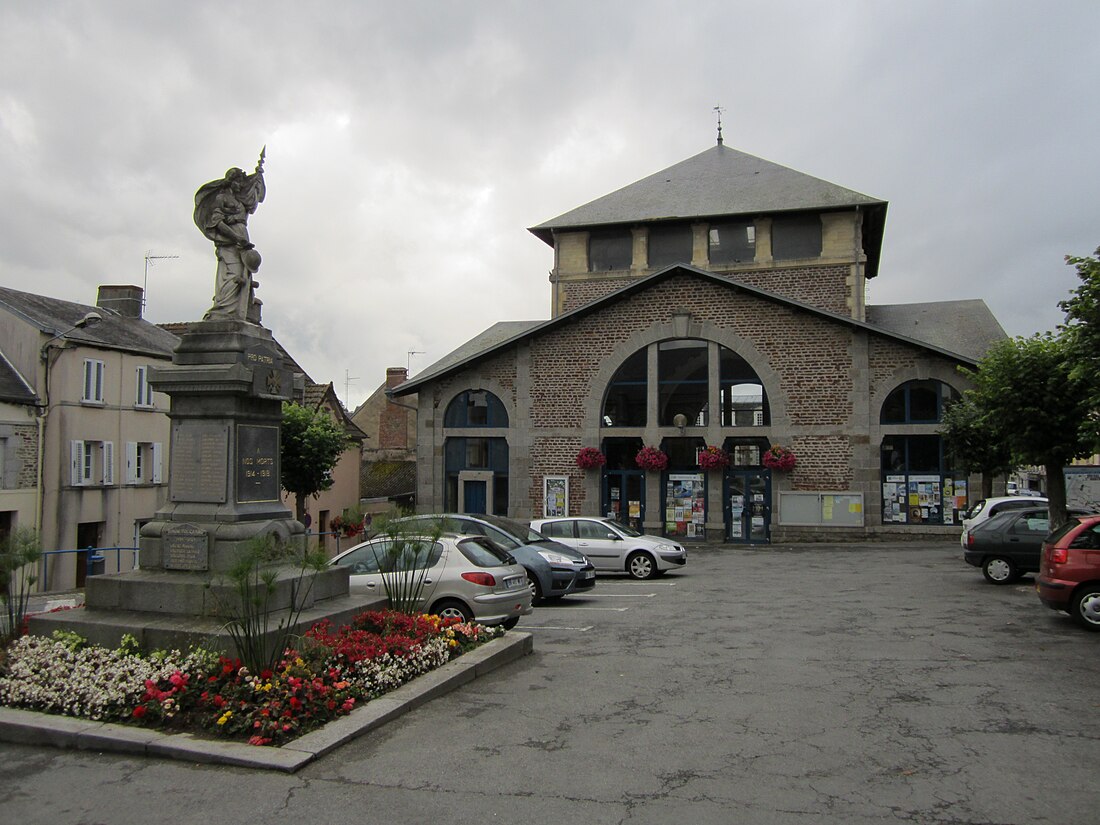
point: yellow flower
(225, 717)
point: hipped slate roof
(965, 327)
(495, 339)
(53, 316)
(722, 182)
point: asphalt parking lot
(810, 684)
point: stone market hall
(714, 312)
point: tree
(977, 449)
(311, 445)
(1082, 332)
(1028, 398)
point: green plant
(18, 573)
(403, 561)
(259, 636)
(311, 446)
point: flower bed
(332, 672)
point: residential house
(388, 480)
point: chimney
(393, 422)
(125, 300)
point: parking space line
(622, 595)
(558, 607)
(558, 627)
(628, 583)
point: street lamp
(90, 319)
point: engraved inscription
(197, 470)
(257, 463)
(186, 547)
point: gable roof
(967, 327)
(486, 344)
(722, 182)
(13, 387)
(52, 316)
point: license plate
(514, 582)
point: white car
(613, 547)
(989, 507)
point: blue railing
(94, 559)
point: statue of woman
(222, 208)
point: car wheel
(999, 570)
(452, 609)
(508, 624)
(1085, 607)
(533, 586)
(641, 565)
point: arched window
(917, 402)
(683, 388)
(475, 408)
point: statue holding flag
(222, 208)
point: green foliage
(69, 639)
(403, 563)
(19, 556)
(260, 636)
(312, 444)
(1082, 331)
(969, 437)
(1028, 398)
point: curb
(32, 728)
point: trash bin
(97, 564)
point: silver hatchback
(464, 577)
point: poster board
(821, 509)
(555, 496)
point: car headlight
(665, 548)
(556, 558)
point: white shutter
(76, 457)
(139, 381)
(131, 462)
(158, 452)
(108, 463)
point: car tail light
(970, 541)
(484, 579)
(1059, 555)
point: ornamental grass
(327, 674)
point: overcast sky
(410, 145)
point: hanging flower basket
(589, 458)
(779, 458)
(346, 527)
(650, 458)
(713, 458)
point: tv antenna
(150, 260)
(347, 388)
(408, 364)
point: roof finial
(719, 110)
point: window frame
(92, 389)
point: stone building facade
(717, 304)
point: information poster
(685, 505)
(555, 496)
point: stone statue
(222, 208)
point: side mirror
(614, 537)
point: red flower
(650, 458)
(139, 711)
(589, 458)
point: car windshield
(520, 532)
(973, 511)
(622, 528)
(1060, 533)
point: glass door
(624, 497)
(748, 505)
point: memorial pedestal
(227, 382)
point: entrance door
(624, 497)
(473, 497)
(748, 506)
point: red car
(1069, 571)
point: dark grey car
(1007, 545)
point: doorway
(623, 497)
(748, 508)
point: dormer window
(732, 243)
(610, 249)
(669, 244)
(796, 236)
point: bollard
(97, 564)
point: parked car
(989, 507)
(1008, 545)
(615, 547)
(464, 577)
(1069, 574)
(553, 569)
